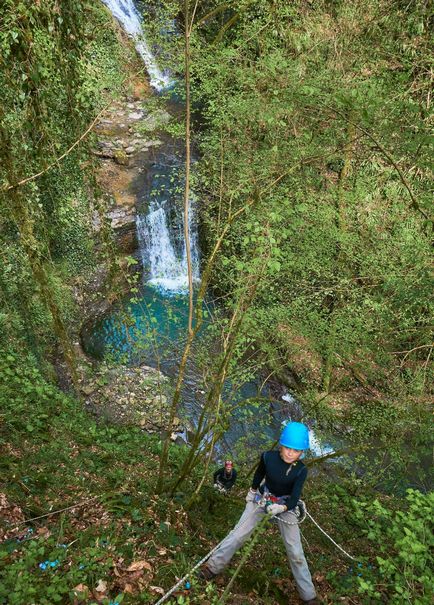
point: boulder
(123, 222)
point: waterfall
(163, 250)
(160, 231)
(126, 13)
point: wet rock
(106, 153)
(152, 143)
(136, 115)
(121, 217)
(121, 158)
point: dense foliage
(314, 175)
(319, 113)
(57, 59)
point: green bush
(403, 541)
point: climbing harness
(266, 498)
(261, 500)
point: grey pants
(291, 538)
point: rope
(187, 575)
(205, 558)
(300, 513)
(329, 537)
(301, 516)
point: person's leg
(294, 549)
(236, 538)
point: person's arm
(259, 474)
(216, 475)
(292, 500)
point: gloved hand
(251, 495)
(275, 509)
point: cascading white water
(162, 244)
(158, 247)
(127, 14)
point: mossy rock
(121, 158)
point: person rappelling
(276, 489)
(225, 477)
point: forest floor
(117, 540)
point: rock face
(123, 146)
(123, 222)
(129, 396)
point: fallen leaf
(101, 586)
(80, 588)
(43, 532)
(136, 565)
(157, 589)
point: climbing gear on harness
(295, 435)
(267, 499)
(273, 509)
(252, 495)
(300, 513)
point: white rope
(329, 537)
(205, 558)
(305, 513)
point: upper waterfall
(127, 14)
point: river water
(151, 326)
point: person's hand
(275, 509)
(251, 495)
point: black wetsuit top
(282, 479)
(225, 479)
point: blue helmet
(295, 435)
